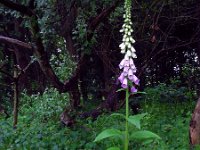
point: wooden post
(16, 98)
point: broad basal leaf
(108, 133)
(135, 120)
(143, 135)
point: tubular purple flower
(125, 71)
(135, 80)
(126, 63)
(134, 69)
(125, 83)
(130, 74)
(121, 65)
(121, 78)
(133, 89)
(131, 62)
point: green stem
(127, 114)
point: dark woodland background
(73, 46)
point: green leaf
(139, 93)
(108, 133)
(135, 120)
(143, 135)
(121, 90)
(147, 142)
(118, 114)
(113, 148)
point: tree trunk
(16, 98)
(82, 77)
(75, 95)
(194, 131)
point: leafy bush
(172, 93)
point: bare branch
(15, 42)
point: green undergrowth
(169, 112)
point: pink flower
(121, 78)
(133, 69)
(121, 65)
(135, 80)
(131, 63)
(130, 74)
(125, 83)
(126, 63)
(125, 71)
(133, 89)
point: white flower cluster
(127, 41)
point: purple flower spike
(125, 83)
(133, 89)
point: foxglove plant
(128, 76)
(129, 82)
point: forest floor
(39, 126)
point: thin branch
(5, 85)
(2, 71)
(98, 19)
(23, 71)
